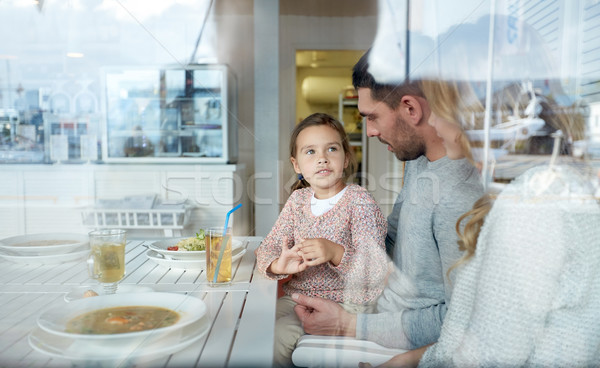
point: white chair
(336, 351)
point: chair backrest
(338, 351)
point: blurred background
(187, 105)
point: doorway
(324, 84)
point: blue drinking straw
(224, 241)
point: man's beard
(412, 145)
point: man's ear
(411, 109)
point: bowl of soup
(119, 317)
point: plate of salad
(186, 248)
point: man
(421, 238)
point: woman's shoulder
(563, 181)
(544, 200)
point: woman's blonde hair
(467, 238)
(451, 96)
(456, 103)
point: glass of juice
(218, 255)
(106, 262)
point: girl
(329, 236)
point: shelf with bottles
(350, 101)
(349, 116)
(170, 114)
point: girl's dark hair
(317, 119)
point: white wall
(51, 198)
(267, 138)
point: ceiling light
(75, 55)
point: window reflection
(43, 85)
(539, 57)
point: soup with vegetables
(122, 320)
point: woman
(527, 290)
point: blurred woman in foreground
(527, 290)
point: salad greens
(191, 244)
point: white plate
(78, 292)
(188, 264)
(162, 245)
(128, 354)
(50, 259)
(44, 244)
(54, 320)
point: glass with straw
(218, 253)
(218, 240)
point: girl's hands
(317, 251)
(309, 252)
(289, 262)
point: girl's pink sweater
(356, 223)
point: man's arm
(392, 229)
(445, 216)
(401, 328)
(324, 317)
(422, 326)
(404, 326)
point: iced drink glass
(106, 262)
(215, 242)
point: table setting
(45, 248)
(58, 332)
(159, 254)
(225, 312)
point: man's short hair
(390, 94)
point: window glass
(53, 54)
(531, 65)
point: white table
(242, 314)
